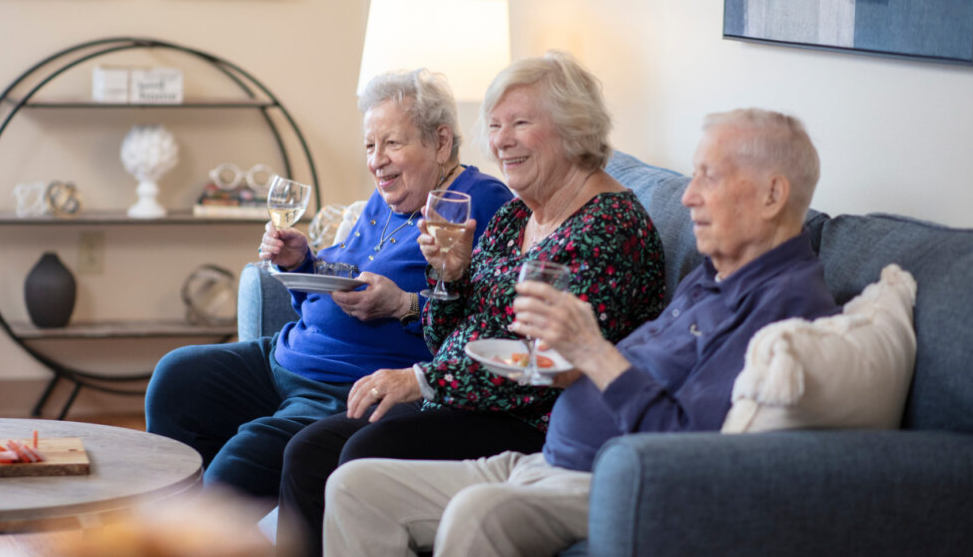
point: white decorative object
(155, 86)
(109, 84)
(148, 152)
(30, 198)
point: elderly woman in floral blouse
(547, 127)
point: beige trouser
(506, 505)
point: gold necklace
(443, 175)
(534, 234)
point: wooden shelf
(180, 216)
(122, 329)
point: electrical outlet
(91, 253)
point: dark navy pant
(238, 407)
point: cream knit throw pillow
(848, 371)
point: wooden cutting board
(63, 456)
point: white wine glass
(446, 215)
(558, 276)
(286, 201)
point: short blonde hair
(776, 143)
(573, 98)
(433, 103)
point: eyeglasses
(228, 176)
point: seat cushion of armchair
(784, 494)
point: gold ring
(374, 392)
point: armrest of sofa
(889, 493)
(263, 304)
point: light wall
(894, 136)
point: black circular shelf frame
(61, 61)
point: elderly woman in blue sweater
(239, 404)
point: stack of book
(215, 203)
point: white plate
(322, 284)
(485, 350)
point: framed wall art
(931, 30)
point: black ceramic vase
(49, 292)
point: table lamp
(466, 40)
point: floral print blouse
(616, 259)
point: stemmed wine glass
(446, 215)
(286, 201)
(558, 276)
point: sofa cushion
(848, 371)
(660, 191)
(855, 248)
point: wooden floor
(47, 544)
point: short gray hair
(433, 103)
(573, 98)
(777, 143)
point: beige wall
(305, 51)
(894, 136)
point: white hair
(573, 98)
(776, 143)
(433, 103)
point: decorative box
(109, 84)
(155, 85)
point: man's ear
(777, 195)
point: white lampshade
(466, 40)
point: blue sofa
(799, 493)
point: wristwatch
(413, 313)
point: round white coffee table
(128, 467)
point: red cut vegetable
(520, 359)
(35, 438)
(19, 449)
(26, 451)
(36, 456)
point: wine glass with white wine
(446, 215)
(558, 276)
(286, 201)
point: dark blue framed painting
(934, 30)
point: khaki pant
(506, 505)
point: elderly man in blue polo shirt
(753, 179)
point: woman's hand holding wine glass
(445, 227)
(286, 202)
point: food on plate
(519, 359)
